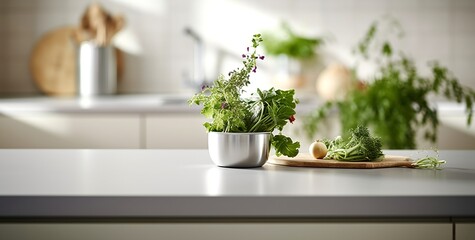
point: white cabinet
(175, 131)
(164, 130)
(228, 230)
(465, 231)
(52, 130)
(86, 130)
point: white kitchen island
(180, 194)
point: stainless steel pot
(240, 150)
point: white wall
(436, 29)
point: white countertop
(185, 183)
(146, 103)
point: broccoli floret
(361, 146)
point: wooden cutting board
(53, 62)
(306, 160)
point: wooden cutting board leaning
(52, 62)
(306, 160)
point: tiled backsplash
(160, 54)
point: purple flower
(261, 57)
(224, 105)
(247, 49)
(243, 55)
(254, 69)
(203, 87)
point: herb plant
(395, 104)
(263, 111)
(291, 44)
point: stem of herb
(429, 163)
(260, 118)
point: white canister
(96, 70)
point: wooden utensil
(98, 25)
(306, 160)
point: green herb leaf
(387, 49)
(284, 146)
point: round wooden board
(53, 62)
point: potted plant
(241, 130)
(395, 104)
(293, 53)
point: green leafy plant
(291, 44)
(263, 111)
(395, 104)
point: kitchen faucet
(197, 79)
